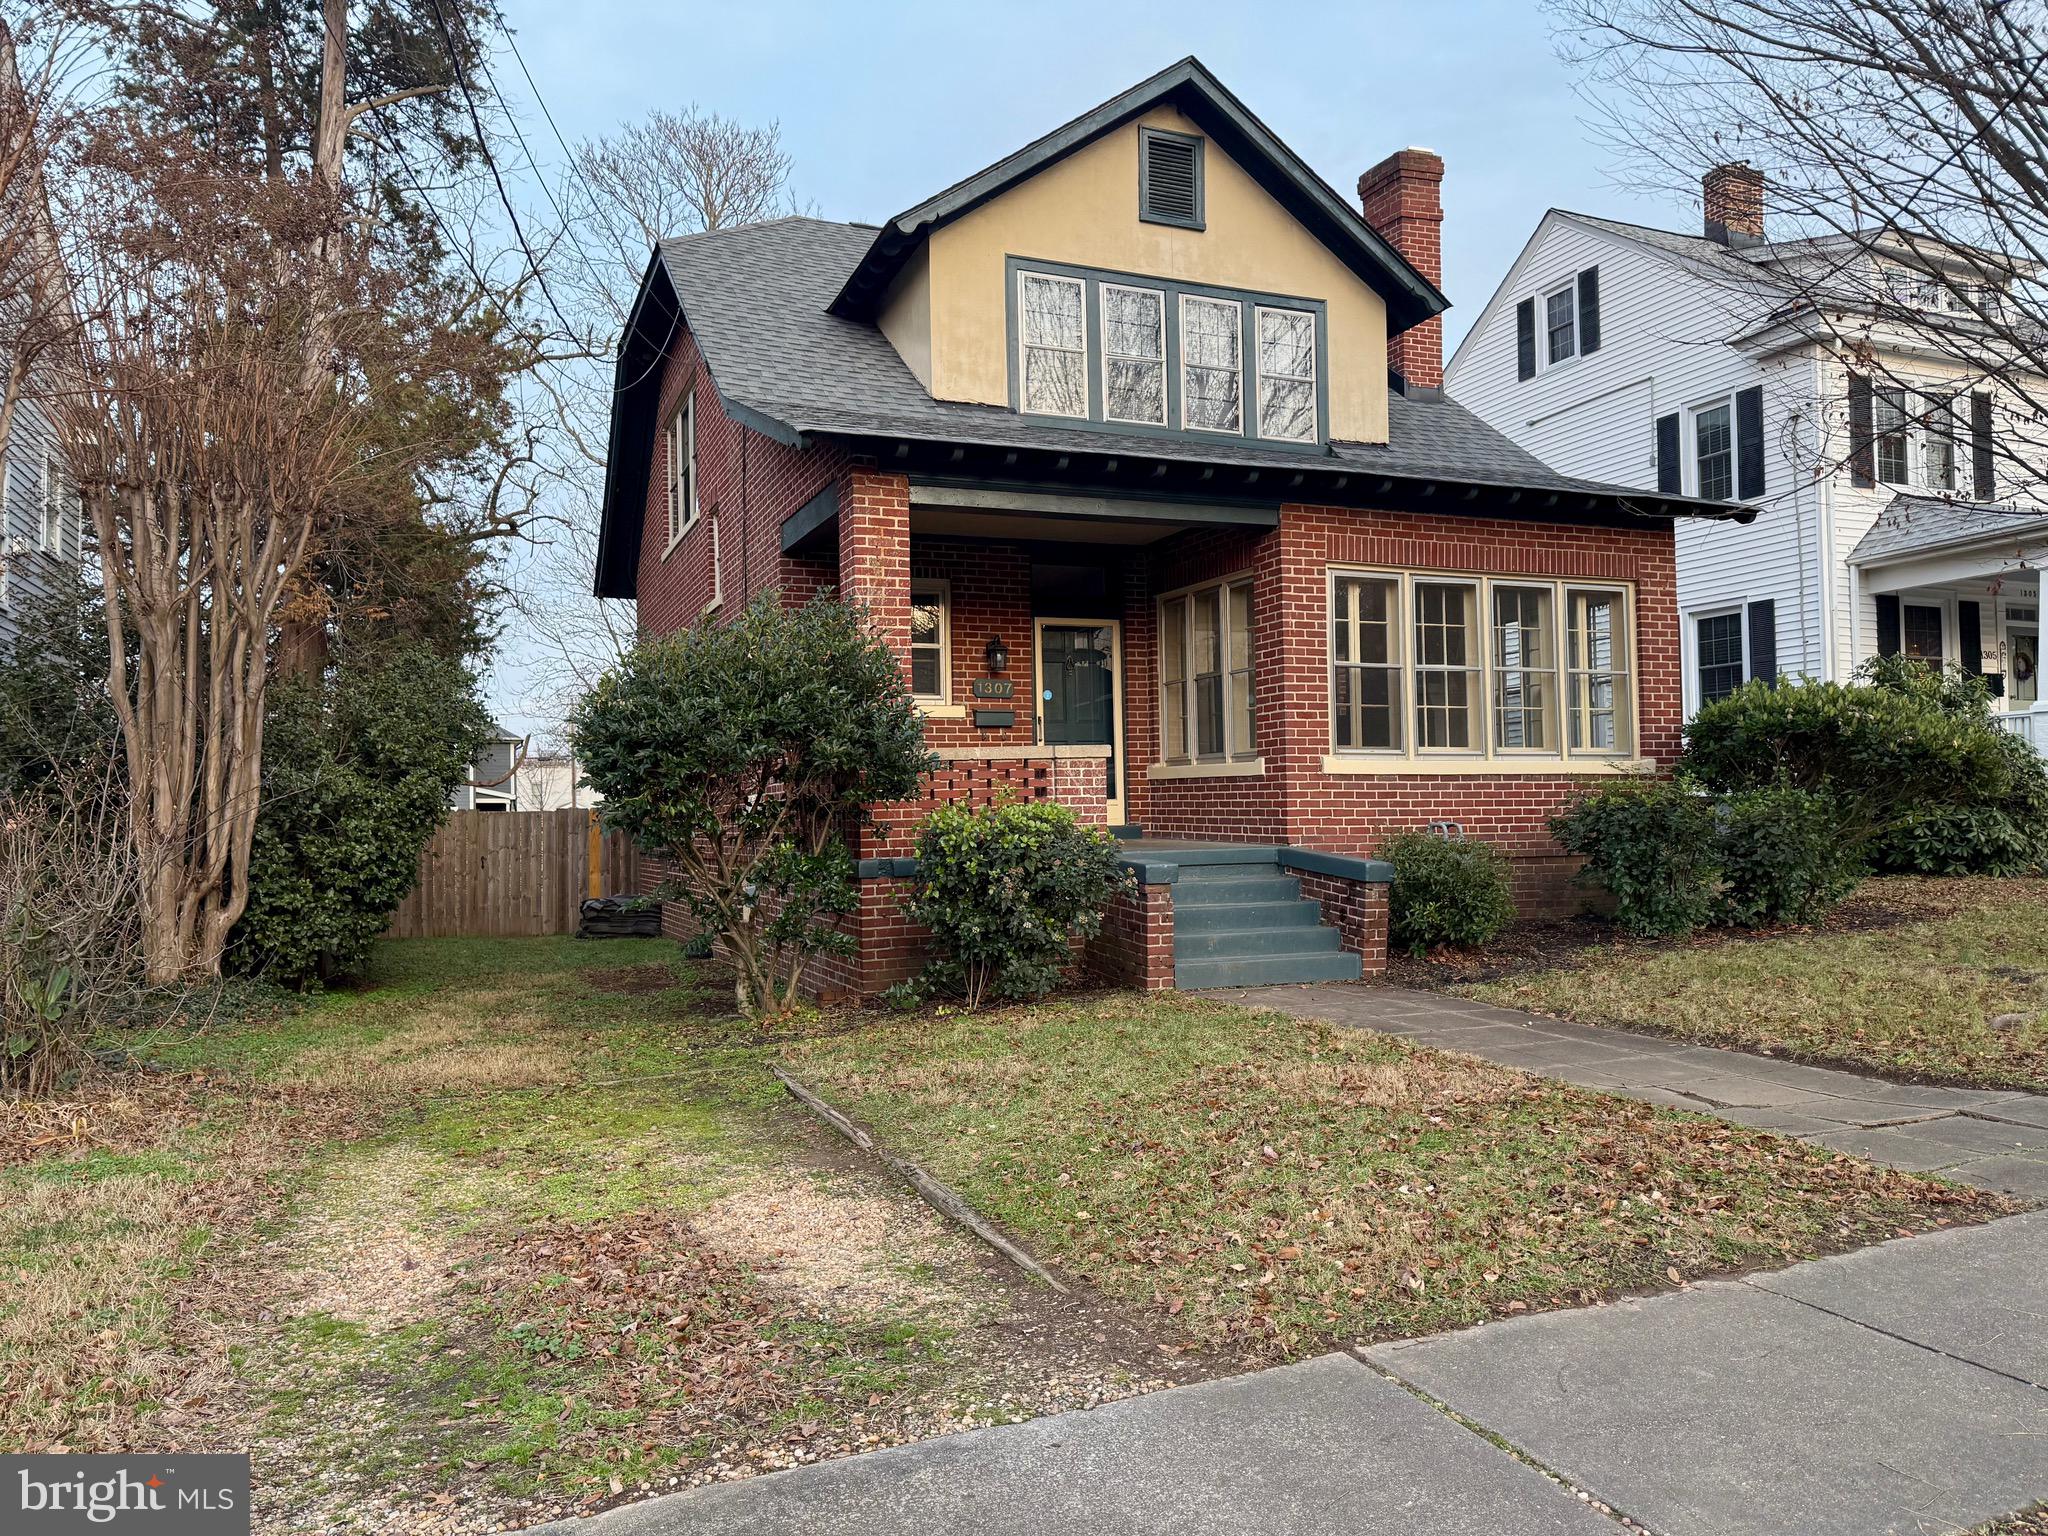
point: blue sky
(883, 104)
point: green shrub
(1445, 892)
(1652, 845)
(741, 753)
(1783, 856)
(1004, 890)
(357, 769)
(1917, 767)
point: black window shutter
(1887, 623)
(1970, 637)
(1981, 470)
(1862, 458)
(1670, 479)
(1749, 443)
(1525, 339)
(1589, 311)
(1763, 641)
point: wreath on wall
(2023, 665)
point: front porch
(1959, 583)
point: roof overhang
(1409, 296)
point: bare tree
(1905, 146)
(669, 174)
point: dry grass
(479, 1042)
(1952, 988)
(1269, 1186)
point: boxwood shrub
(1445, 892)
(1654, 845)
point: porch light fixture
(997, 653)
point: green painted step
(1216, 917)
(1233, 890)
(1226, 942)
(1265, 971)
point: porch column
(874, 555)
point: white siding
(1662, 351)
(30, 571)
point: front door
(1080, 699)
(2023, 682)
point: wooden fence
(511, 874)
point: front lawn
(1270, 1185)
(1934, 980)
(520, 1228)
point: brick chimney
(1732, 200)
(1402, 198)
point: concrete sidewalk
(1898, 1391)
(1993, 1138)
(1303, 1450)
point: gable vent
(1170, 179)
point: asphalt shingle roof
(1910, 524)
(755, 298)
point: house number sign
(993, 687)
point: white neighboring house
(1888, 519)
(40, 521)
(508, 777)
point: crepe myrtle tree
(742, 754)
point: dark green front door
(1077, 700)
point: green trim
(1338, 866)
(1171, 291)
(1151, 871)
(809, 518)
(1147, 137)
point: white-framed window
(681, 471)
(1428, 665)
(931, 636)
(1720, 654)
(1206, 709)
(1561, 323)
(1939, 431)
(53, 506)
(1053, 366)
(1133, 354)
(717, 599)
(1922, 631)
(1888, 422)
(1713, 449)
(1286, 359)
(1211, 364)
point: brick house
(1135, 448)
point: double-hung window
(1206, 713)
(1054, 316)
(1888, 424)
(930, 602)
(53, 506)
(1561, 323)
(1133, 355)
(1938, 443)
(1718, 654)
(682, 468)
(1212, 364)
(1713, 446)
(1426, 666)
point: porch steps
(1245, 923)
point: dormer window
(1169, 178)
(1131, 354)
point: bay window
(1206, 712)
(1414, 676)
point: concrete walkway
(1993, 1138)
(1898, 1391)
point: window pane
(1173, 705)
(1365, 682)
(1134, 341)
(1055, 364)
(1714, 446)
(1053, 313)
(924, 620)
(924, 673)
(1446, 667)
(1242, 736)
(1212, 356)
(1558, 320)
(1208, 664)
(1055, 383)
(1287, 374)
(1940, 455)
(1920, 631)
(1718, 638)
(1597, 694)
(1287, 409)
(1525, 667)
